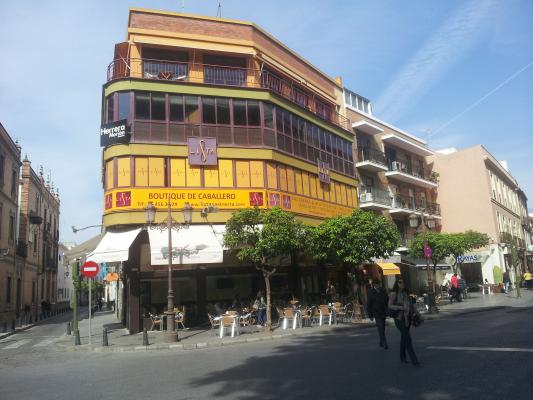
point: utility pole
(76, 284)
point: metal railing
(370, 154)
(405, 202)
(402, 165)
(378, 196)
(174, 71)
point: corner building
(217, 113)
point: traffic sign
(89, 269)
(427, 251)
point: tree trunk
(266, 275)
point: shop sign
(202, 151)
(114, 133)
(306, 206)
(468, 259)
(323, 172)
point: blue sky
(456, 73)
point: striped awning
(389, 268)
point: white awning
(197, 244)
(114, 247)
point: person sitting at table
(218, 309)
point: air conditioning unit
(366, 197)
(396, 166)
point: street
(477, 355)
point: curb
(26, 327)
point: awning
(197, 244)
(389, 268)
(114, 247)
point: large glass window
(208, 110)
(110, 108)
(268, 115)
(176, 108)
(223, 114)
(124, 105)
(192, 114)
(142, 105)
(239, 112)
(158, 107)
(254, 117)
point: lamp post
(427, 223)
(171, 335)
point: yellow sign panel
(305, 205)
(129, 199)
(230, 199)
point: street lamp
(427, 223)
(171, 335)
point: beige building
(395, 178)
(10, 270)
(39, 236)
(478, 192)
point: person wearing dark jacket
(378, 300)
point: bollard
(145, 338)
(69, 331)
(77, 341)
(105, 341)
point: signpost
(90, 269)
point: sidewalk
(197, 338)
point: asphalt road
(480, 355)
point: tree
(263, 238)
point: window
(14, 183)
(239, 112)
(208, 110)
(142, 105)
(1, 218)
(254, 118)
(11, 234)
(176, 108)
(123, 105)
(8, 290)
(110, 108)
(33, 292)
(223, 115)
(269, 115)
(158, 107)
(192, 114)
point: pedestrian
(454, 288)
(378, 301)
(331, 292)
(261, 309)
(400, 304)
(463, 288)
(528, 278)
(506, 282)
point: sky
(455, 73)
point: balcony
(401, 170)
(186, 72)
(375, 199)
(403, 205)
(371, 160)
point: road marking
(501, 349)
(44, 343)
(17, 344)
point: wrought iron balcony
(402, 170)
(173, 71)
(375, 199)
(371, 159)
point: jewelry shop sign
(114, 133)
(202, 151)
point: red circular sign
(89, 269)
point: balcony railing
(225, 76)
(373, 195)
(370, 154)
(402, 165)
(405, 202)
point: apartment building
(211, 113)
(11, 274)
(478, 192)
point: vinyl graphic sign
(114, 133)
(202, 151)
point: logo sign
(323, 172)
(256, 199)
(114, 133)
(202, 151)
(427, 251)
(469, 259)
(89, 269)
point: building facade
(11, 273)
(478, 192)
(396, 180)
(39, 236)
(215, 113)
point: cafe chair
(156, 321)
(214, 321)
(229, 322)
(180, 318)
(325, 315)
(290, 315)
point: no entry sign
(427, 251)
(89, 269)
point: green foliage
(353, 238)
(260, 236)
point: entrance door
(472, 273)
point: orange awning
(389, 269)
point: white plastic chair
(229, 322)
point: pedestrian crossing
(13, 344)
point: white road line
(17, 344)
(44, 343)
(501, 349)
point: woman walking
(400, 305)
